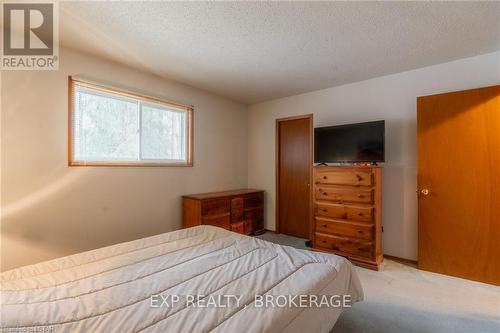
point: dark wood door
(459, 184)
(294, 165)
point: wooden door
(294, 172)
(459, 184)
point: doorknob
(424, 191)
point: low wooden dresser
(240, 211)
(347, 213)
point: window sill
(129, 164)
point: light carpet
(403, 299)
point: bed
(147, 285)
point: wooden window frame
(73, 82)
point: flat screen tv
(362, 142)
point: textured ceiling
(257, 51)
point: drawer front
(237, 210)
(237, 204)
(344, 177)
(215, 206)
(238, 227)
(255, 217)
(254, 214)
(340, 195)
(358, 230)
(253, 200)
(344, 212)
(248, 225)
(258, 225)
(346, 245)
(222, 221)
(237, 217)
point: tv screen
(362, 142)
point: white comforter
(110, 289)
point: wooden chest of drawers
(347, 213)
(240, 211)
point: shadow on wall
(71, 214)
(38, 196)
(21, 227)
(399, 200)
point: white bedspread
(110, 289)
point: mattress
(199, 279)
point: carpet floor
(403, 299)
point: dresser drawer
(222, 221)
(345, 212)
(350, 229)
(340, 195)
(358, 177)
(236, 209)
(215, 206)
(345, 245)
(253, 200)
(254, 214)
(238, 227)
(258, 225)
(237, 204)
(248, 226)
(237, 217)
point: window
(113, 127)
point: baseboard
(409, 262)
(271, 231)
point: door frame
(309, 116)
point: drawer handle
(360, 195)
(324, 225)
(324, 193)
(336, 248)
(359, 178)
(360, 214)
(360, 231)
(324, 210)
(362, 249)
(325, 177)
(344, 216)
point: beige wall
(50, 210)
(392, 98)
